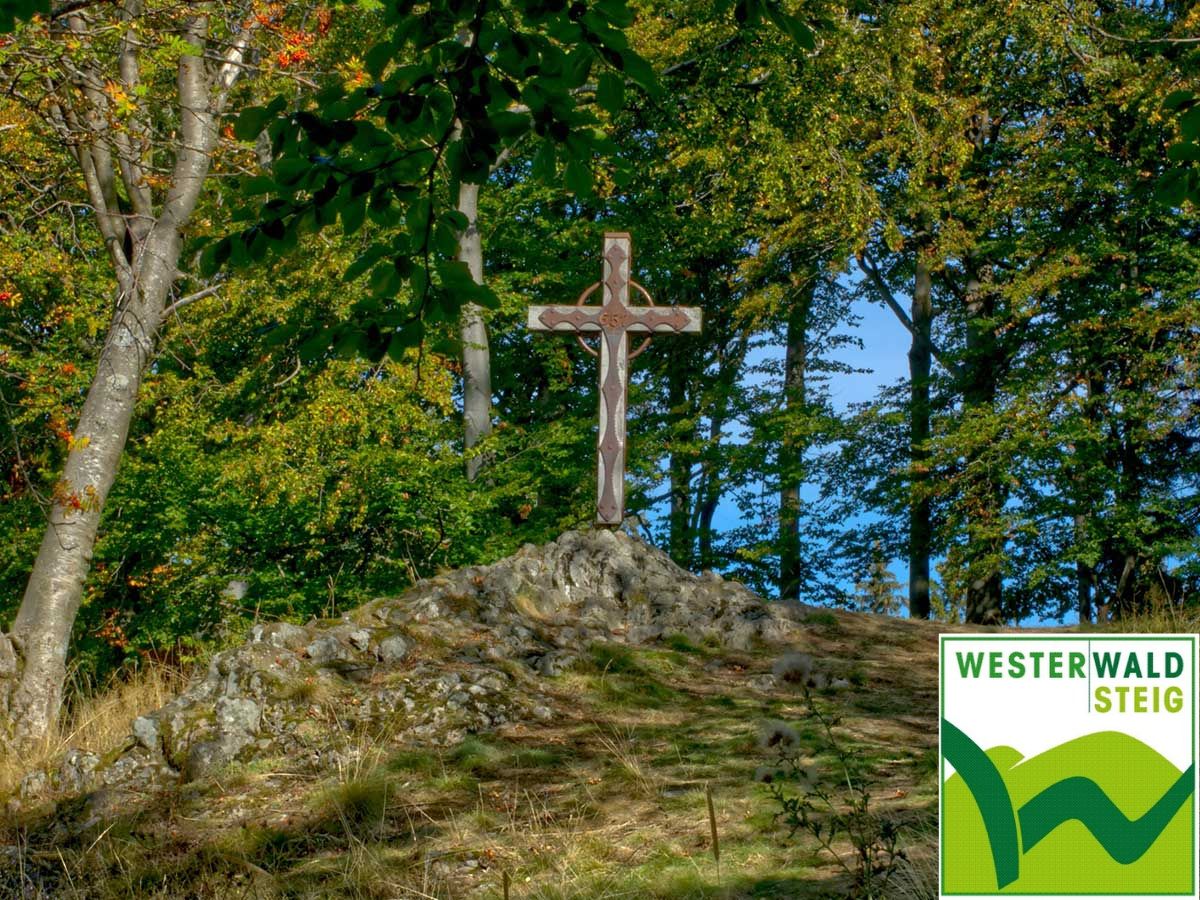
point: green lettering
(1173, 699)
(1106, 664)
(1174, 664)
(1076, 665)
(970, 665)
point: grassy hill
(595, 786)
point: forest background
(337, 395)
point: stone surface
(455, 654)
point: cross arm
(638, 320)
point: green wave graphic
(1125, 840)
(1075, 798)
(986, 785)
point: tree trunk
(681, 539)
(1084, 576)
(710, 489)
(144, 250)
(920, 528)
(1085, 500)
(983, 493)
(41, 632)
(791, 448)
(476, 358)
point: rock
(208, 757)
(145, 729)
(76, 771)
(238, 716)
(33, 785)
(392, 650)
(325, 650)
(283, 635)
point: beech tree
(101, 78)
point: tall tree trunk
(791, 448)
(710, 488)
(920, 527)
(983, 492)
(1085, 500)
(144, 249)
(1084, 578)
(42, 630)
(681, 539)
(477, 357)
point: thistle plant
(832, 802)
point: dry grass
(606, 800)
(97, 718)
(621, 745)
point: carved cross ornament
(614, 320)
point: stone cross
(614, 320)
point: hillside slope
(550, 721)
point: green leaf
(1189, 123)
(545, 162)
(215, 256)
(1179, 99)
(641, 73)
(378, 57)
(456, 278)
(610, 93)
(289, 171)
(352, 345)
(445, 240)
(353, 213)
(280, 334)
(385, 280)
(1172, 188)
(406, 338)
(747, 12)
(316, 346)
(578, 178)
(617, 12)
(800, 34)
(251, 122)
(1184, 152)
(417, 222)
(454, 219)
(14, 11)
(257, 184)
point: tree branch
(132, 169)
(190, 299)
(884, 293)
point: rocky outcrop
(457, 653)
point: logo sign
(1068, 766)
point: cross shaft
(614, 320)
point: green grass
(605, 802)
(821, 619)
(681, 643)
